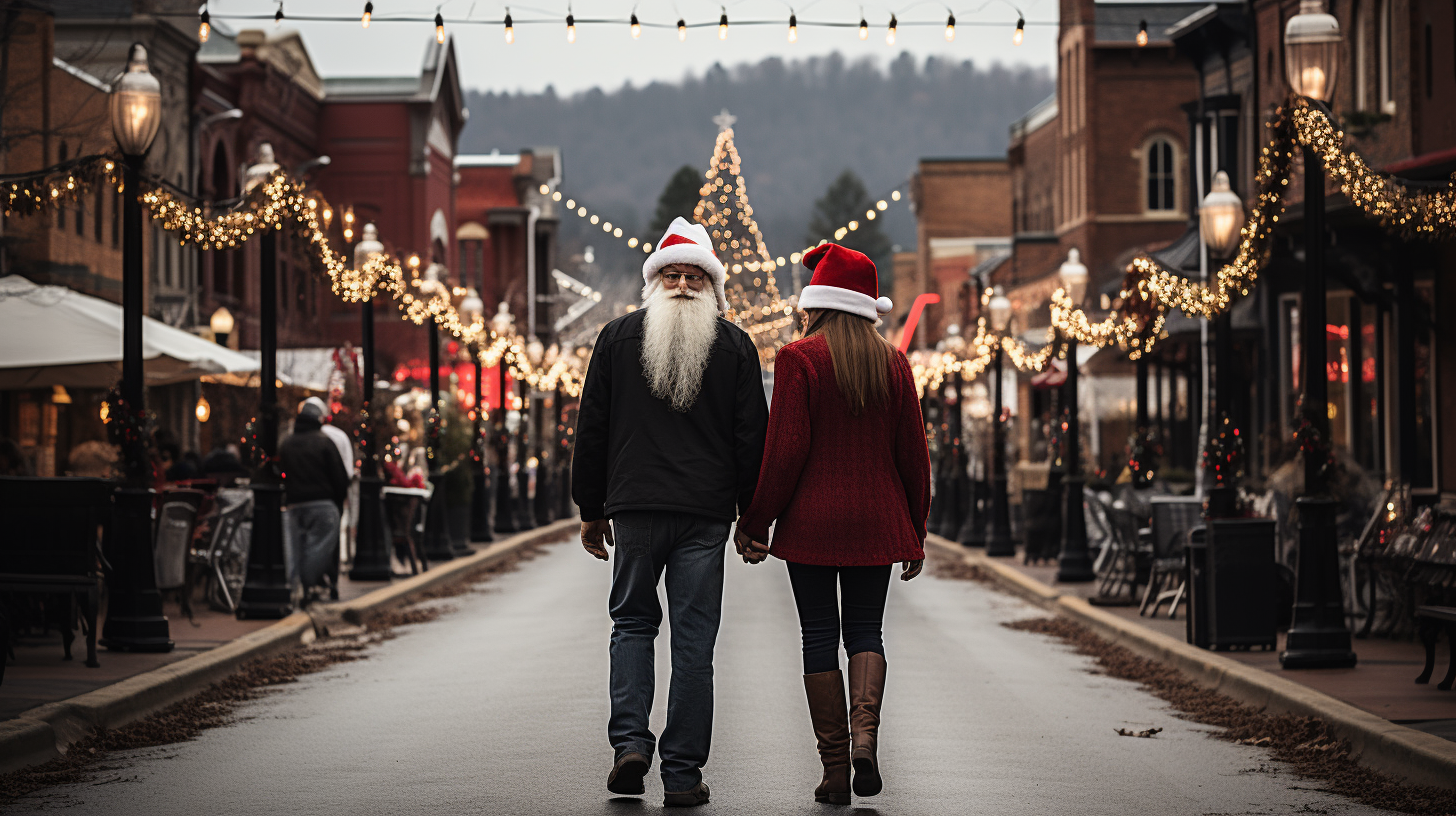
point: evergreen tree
(847, 200)
(678, 198)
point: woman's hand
(752, 551)
(910, 569)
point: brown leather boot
(866, 690)
(829, 713)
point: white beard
(677, 338)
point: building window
(1161, 176)
(1362, 58)
(96, 226)
(1386, 63)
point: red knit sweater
(846, 490)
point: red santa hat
(686, 243)
(845, 280)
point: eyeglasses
(691, 277)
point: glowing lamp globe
(368, 246)
(1312, 51)
(1074, 276)
(1000, 307)
(472, 307)
(136, 105)
(222, 324)
(1219, 217)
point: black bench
(1430, 620)
(50, 544)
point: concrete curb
(46, 731)
(1377, 743)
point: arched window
(1161, 176)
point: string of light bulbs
(634, 24)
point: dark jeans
(820, 592)
(691, 550)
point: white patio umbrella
(51, 335)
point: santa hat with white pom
(686, 243)
(845, 280)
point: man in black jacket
(315, 485)
(668, 443)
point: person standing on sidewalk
(315, 486)
(668, 443)
(847, 477)
(350, 514)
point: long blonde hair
(862, 358)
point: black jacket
(312, 469)
(634, 452)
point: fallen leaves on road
(1147, 733)
(1306, 743)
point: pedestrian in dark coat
(668, 442)
(315, 486)
(846, 475)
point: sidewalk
(39, 673)
(46, 702)
(1392, 724)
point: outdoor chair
(51, 546)
(404, 513)
(1116, 566)
(223, 564)
(1172, 518)
(175, 523)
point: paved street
(500, 708)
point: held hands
(910, 569)
(752, 551)
(593, 533)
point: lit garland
(61, 183)
(1400, 210)
(1223, 458)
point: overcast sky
(606, 56)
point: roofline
(961, 159)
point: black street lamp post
(998, 536)
(437, 543)
(1220, 215)
(1318, 636)
(505, 513)
(134, 619)
(1074, 563)
(371, 550)
(266, 592)
(543, 505)
(473, 309)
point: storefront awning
(52, 335)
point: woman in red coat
(846, 478)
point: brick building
(963, 217)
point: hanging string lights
(570, 27)
(864, 27)
(636, 26)
(510, 28)
(204, 25)
(1020, 34)
(723, 25)
(1142, 35)
(368, 14)
(890, 32)
(682, 30)
(439, 28)
(950, 28)
(793, 27)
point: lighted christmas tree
(723, 209)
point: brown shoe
(828, 711)
(689, 798)
(627, 772)
(866, 690)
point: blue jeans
(311, 539)
(691, 548)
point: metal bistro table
(405, 518)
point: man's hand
(910, 569)
(752, 551)
(593, 533)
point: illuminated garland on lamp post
(371, 552)
(998, 534)
(134, 618)
(1318, 635)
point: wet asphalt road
(500, 707)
